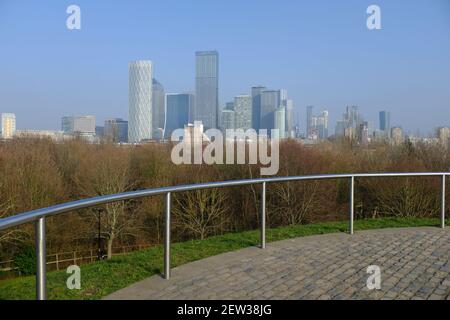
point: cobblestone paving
(414, 262)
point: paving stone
(414, 263)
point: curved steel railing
(38, 216)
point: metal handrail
(38, 216)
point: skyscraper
(178, 110)
(207, 88)
(270, 101)
(243, 112)
(322, 125)
(309, 119)
(385, 122)
(140, 101)
(353, 117)
(280, 121)
(158, 109)
(256, 106)
(289, 118)
(8, 125)
(317, 125)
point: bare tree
(201, 211)
(293, 201)
(104, 172)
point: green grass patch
(104, 277)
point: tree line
(36, 173)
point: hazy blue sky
(320, 51)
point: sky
(320, 51)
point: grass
(104, 277)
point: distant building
(79, 125)
(8, 125)
(44, 134)
(341, 125)
(397, 135)
(280, 121)
(317, 125)
(256, 106)
(353, 116)
(290, 119)
(229, 105)
(140, 101)
(443, 134)
(116, 130)
(99, 131)
(350, 133)
(195, 133)
(228, 120)
(385, 122)
(243, 112)
(207, 88)
(158, 109)
(270, 101)
(309, 120)
(178, 106)
(363, 134)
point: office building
(140, 101)
(256, 106)
(280, 121)
(243, 112)
(397, 135)
(116, 130)
(207, 89)
(385, 122)
(309, 120)
(270, 101)
(79, 125)
(443, 135)
(228, 120)
(158, 109)
(178, 106)
(289, 119)
(8, 125)
(317, 126)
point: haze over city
(321, 52)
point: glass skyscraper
(140, 101)
(385, 122)
(270, 101)
(256, 106)
(158, 109)
(177, 112)
(206, 89)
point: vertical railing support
(41, 276)
(263, 216)
(443, 202)
(167, 238)
(351, 204)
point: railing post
(351, 204)
(167, 239)
(443, 203)
(41, 288)
(263, 216)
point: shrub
(25, 261)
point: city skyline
(84, 72)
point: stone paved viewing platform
(414, 262)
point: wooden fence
(62, 260)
